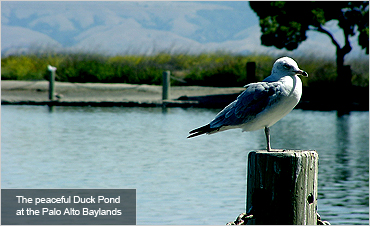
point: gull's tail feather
(201, 130)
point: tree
(284, 24)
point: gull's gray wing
(249, 103)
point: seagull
(262, 104)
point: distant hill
(141, 28)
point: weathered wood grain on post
(282, 187)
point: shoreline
(135, 95)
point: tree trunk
(341, 52)
(344, 83)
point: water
(179, 180)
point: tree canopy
(284, 24)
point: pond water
(179, 181)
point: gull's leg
(267, 133)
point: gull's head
(287, 66)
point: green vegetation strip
(208, 69)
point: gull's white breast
(288, 99)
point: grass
(208, 69)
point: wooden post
(166, 85)
(251, 72)
(282, 187)
(51, 82)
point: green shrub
(21, 68)
(207, 69)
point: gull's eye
(286, 66)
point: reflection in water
(344, 171)
(342, 159)
(179, 179)
(51, 108)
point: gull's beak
(303, 73)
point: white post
(51, 81)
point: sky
(141, 27)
